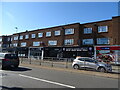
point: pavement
(94, 73)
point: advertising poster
(107, 53)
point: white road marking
(47, 81)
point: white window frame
(88, 41)
(26, 36)
(33, 35)
(102, 41)
(37, 43)
(48, 34)
(40, 34)
(15, 37)
(52, 42)
(87, 30)
(69, 31)
(15, 44)
(57, 33)
(69, 41)
(21, 37)
(1, 39)
(23, 44)
(102, 29)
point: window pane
(26, 36)
(40, 34)
(87, 41)
(102, 28)
(102, 41)
(48, 34)
(69, 31)
(57, 33)
(15, 37)
(21, 37)
(69, 42)
(52, 42)
(87, 30)
(23, 44)
(33, 35)
(36, 43)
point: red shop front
(109, 53)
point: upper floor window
(103, 41)
(15, 37)
(87, 41)
(15, 44)
(48, 34)
(40, 34)
(8, 39)
(21, 37)
(11, 38)
(87, 30)
(102, 29)
(69, 31)
(23, 44)
(69, 41)
(0, 39)
(26, 36)
(57, 33)
(36, 43)
(33, 36)
(52, 42)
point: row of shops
(111, 53)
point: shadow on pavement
(11, 88)
(20, 69)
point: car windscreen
(11, 56)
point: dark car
(8, 60)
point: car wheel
(101, 69)
(76, 66)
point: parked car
(8, 60)
(86, 62)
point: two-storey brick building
(67, 40)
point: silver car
(86, 62)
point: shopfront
(68, 52)
(109, 53)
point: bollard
(40, 61)
(52, 62)
(66, 63)
(30, 61)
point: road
(36, 77)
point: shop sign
(76, 49)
